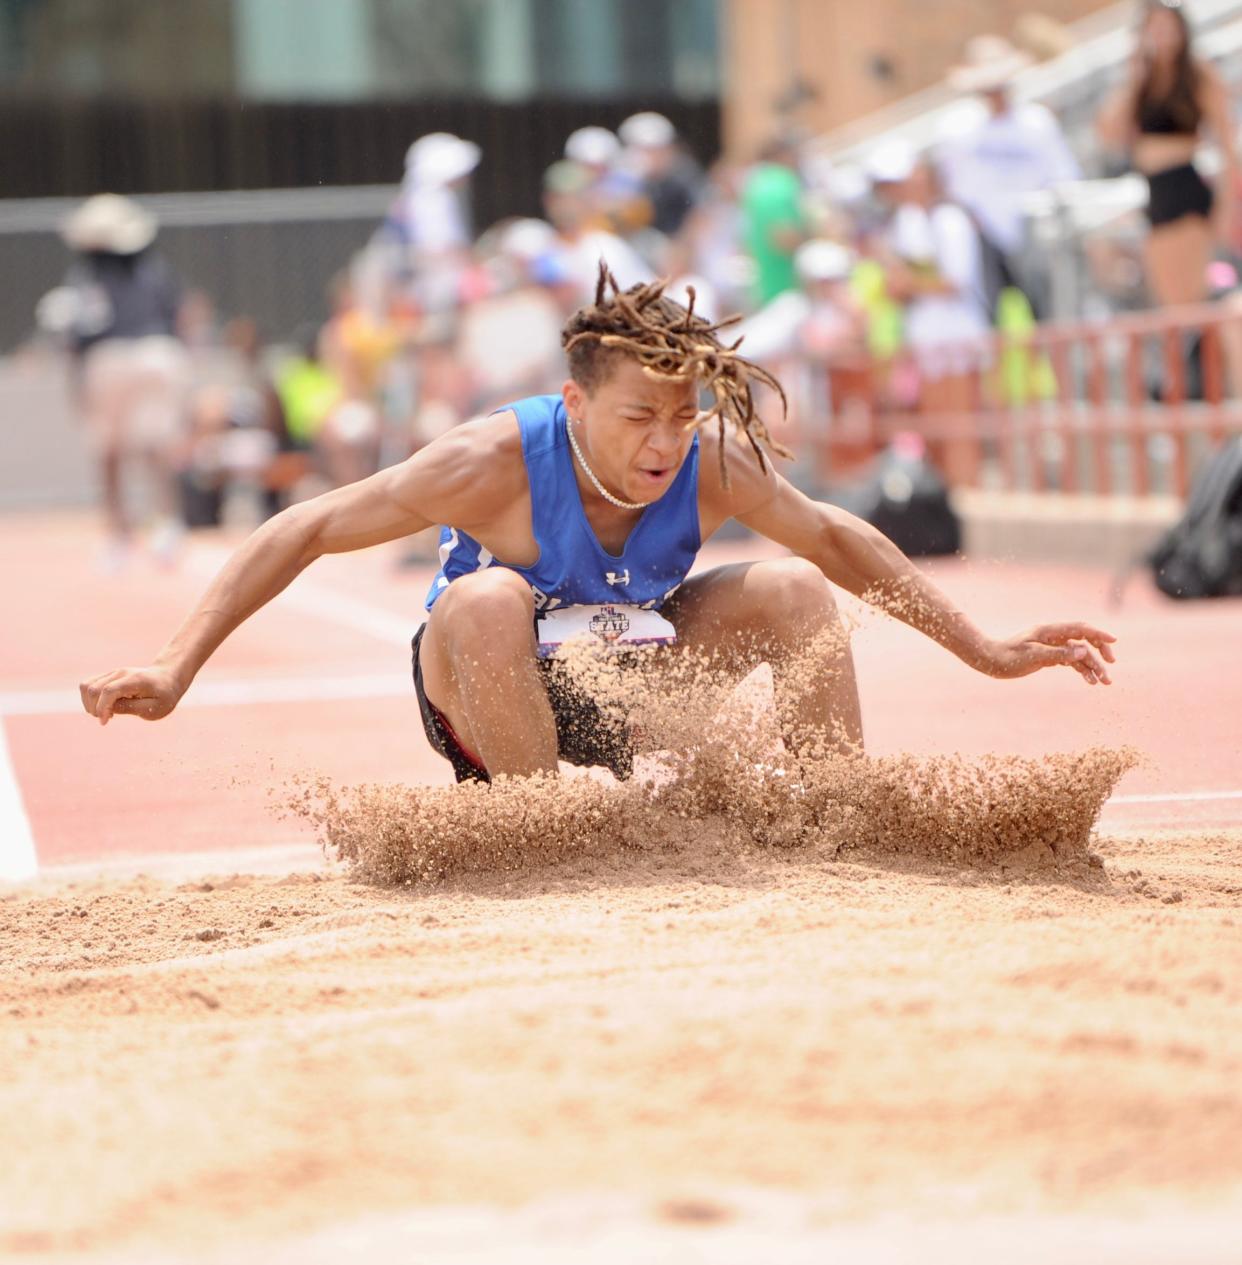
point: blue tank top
(573, 567)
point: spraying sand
(712, 763)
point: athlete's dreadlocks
(672, 343)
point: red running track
(319, 683)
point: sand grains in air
(711, 758)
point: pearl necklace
(590, 474)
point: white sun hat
(528, 239)
(594, 146)
(439, 158)
(109, 222)
(822, 260)
(891, 162)
(647, 130)
(847, 184)
(989, 63)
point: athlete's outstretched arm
(454, 478)
(862, 560)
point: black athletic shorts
(1176, 192)
(584, 735)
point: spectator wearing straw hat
(132, 371)
(993, 151)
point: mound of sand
(1021, 815)
(712, 758)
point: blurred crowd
(859, 285)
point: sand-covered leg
(480, 671)
(781, 612)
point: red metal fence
(1123, 407)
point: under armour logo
(613, 578)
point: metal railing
(1126, 407)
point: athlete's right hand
(147, 692)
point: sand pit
(716, 1044)
(722, 1043)
(738, 1007)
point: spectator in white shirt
(993, 151)
(934, 263)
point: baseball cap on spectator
(565, 176)
(59, 310)
(647, 130)
(594, 146)
(822, 260)
(891, 163)
(439, 158)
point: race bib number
(614, 626)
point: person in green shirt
(773, 219)
(308, 391)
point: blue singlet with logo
(573, 567)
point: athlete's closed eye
(650, 415)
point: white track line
(272, 858)
(17, 850)
(349, 612)
(325, 603)
(311, 599)
(1180, 797)
(230, 693)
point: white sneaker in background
(166, 542)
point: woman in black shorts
(1160, 114)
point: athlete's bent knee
(486, 606)
(793, 588)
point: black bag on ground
(905, 497)
(1201, 554)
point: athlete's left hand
(1053, 645)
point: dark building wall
(74, 148)
(275, 272)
